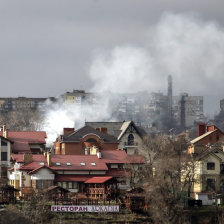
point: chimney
(102, 130)
(211, 128)
(68, 131)
(48, 159)
(4, 131)
(201, 129)
(28, 158)
(99, 155)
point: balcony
(131, 144)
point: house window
(38, 184)
(131, 139)
(210, 166)
(3, 143)
(48, 183)
(210, 185)
(114, 166)
(72, 185)
(3, 156)
(75, 185)
(3, 171)
(222, 168)
(64, 185)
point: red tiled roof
(117, 173)
(19, 147)
(135, 159)
(98, 180)
(40, 167)
(75, 161)
(28, 136)
(90, 162)
(36, 158)
(60, 178)
(22, 139)
(120, 156)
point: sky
(50, 47)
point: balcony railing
(134, 144)
(96, 191)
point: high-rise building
(188, 110)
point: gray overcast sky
(47, 47)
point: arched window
(131, 139)
(91, 140)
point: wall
(213, 159)
(138, 143)
(78, 148)
(72, 148)
(7, 149)
(57, 148)
(202, 174)
(43, 174)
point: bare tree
(22, 120)
(169, 175)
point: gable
(113, 128)
(43, 171)
(212, 157)
(129, 128)
(219, 154)
(43, 174)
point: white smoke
(179, 44)
(62, 114)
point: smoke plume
(179, 44)
(183, 45)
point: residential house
(83, 141)
(207, 151)
(77, 173)
(129, 136)
(209, 172)
(5, 155)
(207, 135)
(25, 141)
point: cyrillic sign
(85, 208)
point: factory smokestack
(170, 100)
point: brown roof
(86, 130)
(117, 129)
